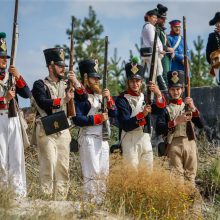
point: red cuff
(20, 83)
(195, 113)
(142, 122)
(2, 99)
(140, 116)
(97, 119)
(171, 124)
(111, 103)
(3, 106)
(161, 104)
(2, 103)
(56, 102)
(81, 90)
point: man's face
(218, 26)
(175, 92)
(161, 21)
(93, 83)
(3, 62)
(152, 19)
(58, 71)
(135, 85)
(176, 29)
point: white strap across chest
(136, 105)
(177, 43)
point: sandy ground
(52, 210)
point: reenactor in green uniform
(161, 20)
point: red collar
(2, 76)
(89, 91)
(130, 92)
(176, 101)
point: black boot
(161, 83)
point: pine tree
(199, 66)
(88, 43)
(116, 73)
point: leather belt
(3, 111)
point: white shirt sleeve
(147, 35)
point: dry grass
(130, 194)
(143, 195)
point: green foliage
(199, 65)
(116, 79)
(88, 43)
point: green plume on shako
(2, 35)
(135, 60)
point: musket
(189, 127)
(106, 132)
(152, 77)
(12, 109)
(71, 111)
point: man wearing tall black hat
(213, 47)
(175, 41)
(93, 150)
(132, 113)
(147, 41)
(12, 163)
(161, 20)
(172, 123)
(50, 97)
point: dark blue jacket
(43, 98)
(126, 122)
(163, 119)
(213, 44)
(83, 107)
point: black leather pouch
(146, 51)
(55, 122)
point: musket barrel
(12, 109)
(152, 77)
(189, 128)
(105, 128)
(71, 110)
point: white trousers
(137, 149)
(12, 161)
(94, 158)
(159, 66)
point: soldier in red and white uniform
(132, 117)
(12, 163)
(93, 150)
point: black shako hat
(152, 12)
(89, 67)
(134, 70)
(176, 78)
(3, 46)
(162, 11)
(215, 19)
(55, 56)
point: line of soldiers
(50, 96)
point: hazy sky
(43, 24)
